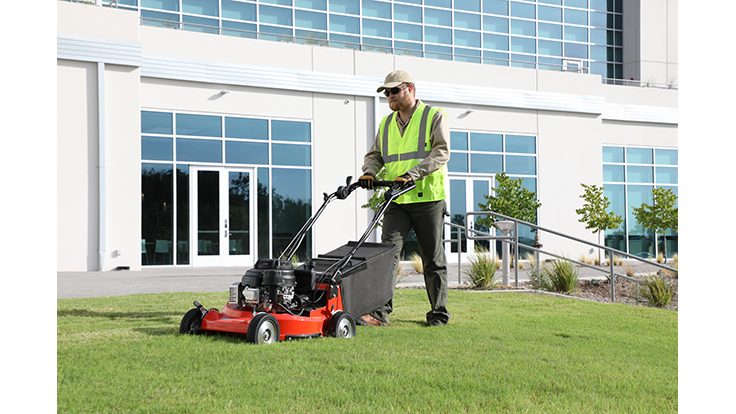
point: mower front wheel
(191, 322)
(342, 325)
(263, 329)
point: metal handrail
(470, 234)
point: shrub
(416, 262)
(655, 291)
(562, 275)
(481, 272)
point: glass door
(222, 216)
(466, 192)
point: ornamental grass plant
(481, 271)
(656, 291)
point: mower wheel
(191, 322)
(342, 325)
(263, 329)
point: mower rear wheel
(263, 329)
(342, 325)
(191, 322)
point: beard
(404, 102)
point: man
(412, 143)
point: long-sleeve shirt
(439, 136)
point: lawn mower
(275, 301)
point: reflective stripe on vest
(421, 151)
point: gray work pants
(427, 219)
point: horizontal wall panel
(98, 50)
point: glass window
(495, 24)
(311, 4)
(310, 20)
(639, 174)
(157, 122)
(458, 140)
(278, 2)
(309, 37)
(466, 38)
(382, 45)
(291, 131)
(345, 6)
(518, 164)
(439, 3)
(550, 47)
(291, 195)
(523, 45)
(344, 24)
(239, 29)
(523, 144)
(467, 21)
(458, 162)
(599, 20)
(203, 7)
(238, 152)
(495, 58)
(274, 15)
(555, 2)
(199, 125)
(440, 52)
(576, 50)
(665, 156)
(379, 28)
(613, 154)
(438, 17)
(468, 5)
(238, 10)
(407, 13)
(525, 10)
(408, 48)
(639, 156)
(497, 42)
(159, 19)
(157, 148)
(486, 142)
(550, 14)
(576, 16)
(198, 150)
(376, 9)
(523, 61)
(168, 5)
(550, 31)
(496, 7)
(157, 213)
(486, 163)
(613, 173)
(576, 34)
(666, 175)
(201, 24)
(246, 128)
(407, 32)
(290, 154)
(523, 27)
(342, 41)
(599, 5)
(600, 53)
(467, 55)
(583, 4)
(438, 35)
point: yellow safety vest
(402, 153)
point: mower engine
(269, 282)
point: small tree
(661, 215)
(511, 199)
(594, 213)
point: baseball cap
(395, 79)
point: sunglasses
(395, 90)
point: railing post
(459, 257)
(613, 277)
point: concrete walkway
(214, 279)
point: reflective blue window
(157, 122)
(486, 163)
(168, 5)
(468, 5)
(576, 34)
(598, 36)
(238, 10)
(583, 4)
(438, 52)
(237, 152)
(376, 9)
(379, 28)
(291, 131)
(486, 142)
(549, 31)
(666, 175)
(344, 24)
(439, 3)
(639, 156)
(525, 10)
(311, 4)
(274, 15)
(550, 47)
(517, 164)
(495, 58)
(345, 6)
(407, 13)
(599, 20)
(277, 34)
(550, 14)
(613, 173)
(495, 24)
(201, 24)
(466, 38)
(290, 154)
(203, 7)
(458, 162)
(159, 19)
(467, 21)
(407, 32)
(576, 16)
(555, 2)
(292, 206)
(199, 125)
(613, 154)
(459, 140)
(238, 29)
(496, 7)
(467, 55)
(278, 2)
(523, 144)
(497, 42)
(246, 128)
(438, 17)
(310, 20)
(639, 174)
(157, 148)
(198, 150)
(665, 157)
(576, 50)
(523, 27)
(438, 35)
(523, 45)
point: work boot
(368, 320)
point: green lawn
(501, 352)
